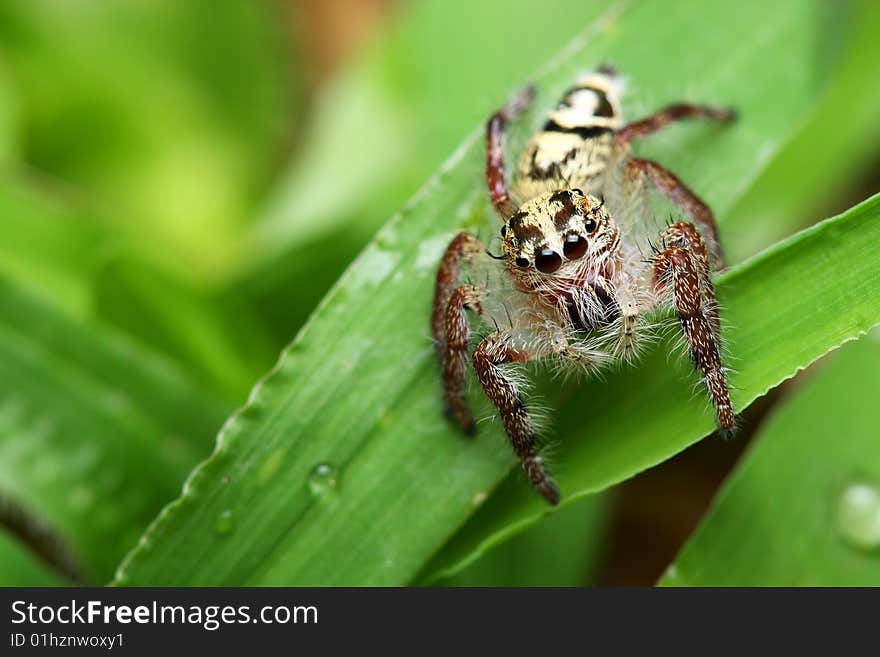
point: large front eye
(575, 247)
(548, 261)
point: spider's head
(557, 234)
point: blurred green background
(182, 182)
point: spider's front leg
(449, 324)
(682, 268)
(489, 358)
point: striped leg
(450, 326)
(667, 115)
(498, 189)
(492, 353)
(682, 268)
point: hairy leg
(667, 115)
(450, 328)
(682, 268)
(488, 358)
(498, 189)
(684, 235)
(463, 246)
(668, 184)
(458, 335)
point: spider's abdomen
(576, 143)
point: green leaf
(51, 243)
(18, 567)
(59, 246)
(8, 120)
(791, 195)
(356, 394)
(797, 511)
(95, 435)
(185, 323)
(149, 112)
(564, 550)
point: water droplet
(322, 480)
(858, 515)
(672, 577)
(224, 522)
(270, 466)
(385, 239)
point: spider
(581, 262)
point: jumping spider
(579, 266)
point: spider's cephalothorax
(582, 263)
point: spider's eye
(575, 247)
(548, 261)
(590, 224)
(504, 230)
(522, 262)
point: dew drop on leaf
(270, 466)
(322, 479)
(224, 522)
(858, 515)
(672, 577)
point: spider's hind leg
(495, 128)
(670, 114)
(682, 268)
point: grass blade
(95, 435)
(785, 516)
